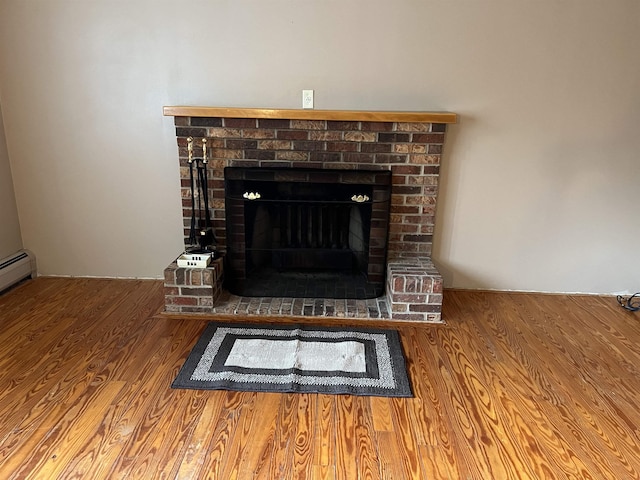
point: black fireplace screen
(306, 232)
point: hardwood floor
(514, 386)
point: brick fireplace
(409, 144)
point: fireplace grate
(313, 225)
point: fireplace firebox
(296, 232)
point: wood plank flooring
(514, 386)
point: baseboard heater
(16, 267)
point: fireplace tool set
(202, 241)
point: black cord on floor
(631, 303)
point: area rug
(307, 359)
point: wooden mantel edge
(294, 114)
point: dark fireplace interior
(297, 232)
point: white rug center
(347, 356)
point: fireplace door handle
(360, 198)
(251, 195)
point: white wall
(540, 176)
(10, 240)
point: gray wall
(540, 176)
(10, 240)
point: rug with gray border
(295, 358)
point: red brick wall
(410, 150)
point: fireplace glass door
(306, 232)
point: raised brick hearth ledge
(409, 144)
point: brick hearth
(411, 149)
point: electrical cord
(631, 303)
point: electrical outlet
(307, 98)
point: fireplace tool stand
(202, 244)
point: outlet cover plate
(307, 98)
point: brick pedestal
(192, 290)
(414, 290)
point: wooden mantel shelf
(294, 114)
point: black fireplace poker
(202, 240)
